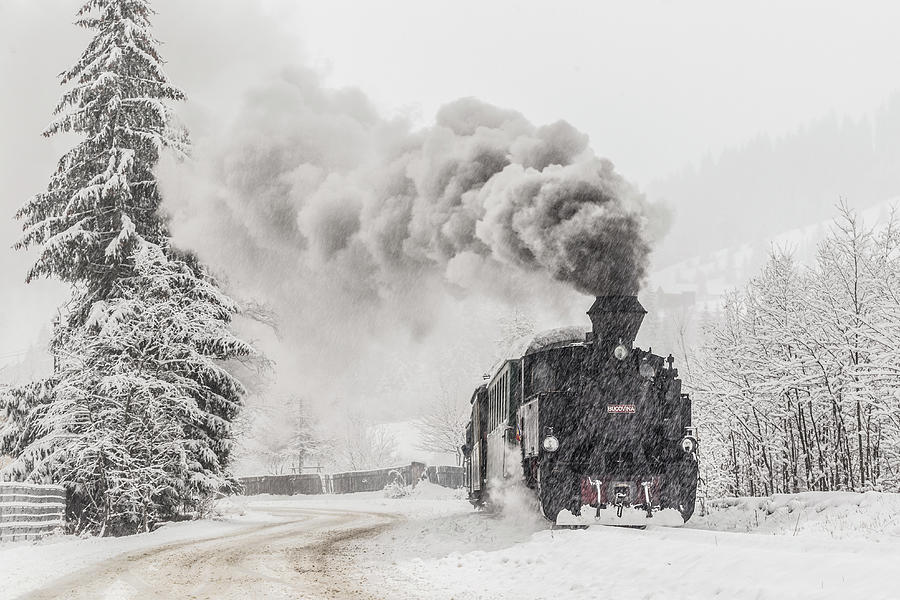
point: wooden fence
(286, 485)
(447, 476)
(29, 511)
(376, 479)
(337, 483)
(352, 481)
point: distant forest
(769, 185)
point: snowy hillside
(708, 276)
(681, 297)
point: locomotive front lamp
(688, 445)
(550, 443)
(621, 352)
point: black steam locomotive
(599, 429)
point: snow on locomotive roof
(554, 338)
(544, 340)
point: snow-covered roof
(551, 338)
(554, 338)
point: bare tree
(514, 327)
(366, 445)
(285, 436)
(798, 383)
(442, 428)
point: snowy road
(433, 546)
(301, 557)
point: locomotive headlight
(550, 443)
(621, 352)
(688, 445)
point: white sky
(656, 84)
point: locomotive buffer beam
(620, 503)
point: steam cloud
(318, 170)
(359, 230)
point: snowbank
(516, 556)
(840, 515)
(443, 537)
(657, 563)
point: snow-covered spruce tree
(136, 419)
(104, 193)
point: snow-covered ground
(825, 515)
(27, 566)
(433, 545)
(243, 532)
(845, 546)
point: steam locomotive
(597, 428)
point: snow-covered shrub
(396, 487)
(396, 490)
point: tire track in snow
(303, 557)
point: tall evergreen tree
(104, 195)
(136, 419)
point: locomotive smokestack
(616, 319)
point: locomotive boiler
(598, 428)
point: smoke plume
(382, 248)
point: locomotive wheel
(688, 507)
(550, 513)
(557, 493)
